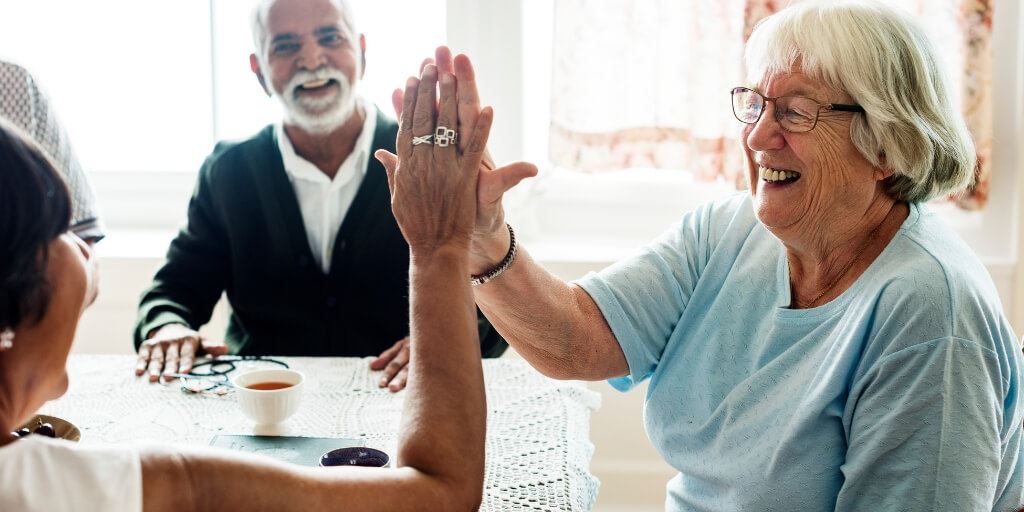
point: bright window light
(151, 86)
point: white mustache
(323, 73)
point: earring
(6, 339)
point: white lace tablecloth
(538, 446)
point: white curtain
(645, 83)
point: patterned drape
(644, 83)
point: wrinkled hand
(433, 188)
(173, 349)
(395, 363)
(492, 182)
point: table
(538, 447)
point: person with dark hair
(26, 106)
(47, 279)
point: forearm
(444, 420)
(554, 325)
(214, 480)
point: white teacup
(277, 400)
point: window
(572, 216)
(145, 89)
(130, 80)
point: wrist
(487, 251)
(421, 257)
(501, 266)
(168, 327)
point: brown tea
(267, 386)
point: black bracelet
(502, 266)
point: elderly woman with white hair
(823, 341)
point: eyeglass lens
(794, 113)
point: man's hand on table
(394, 361)
(173, 349)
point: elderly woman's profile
(821, 341)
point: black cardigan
(245, 236)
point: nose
(83, 246)
(766, 133)
(92, 270)
(311, 57)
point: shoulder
(109, 478)
(727, 221)
(385, 131)
(229, 158)
(17, 88)
(9, 71)
(931, 284)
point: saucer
(63, 428)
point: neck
(12, 388)
(825, 265)
(327, 151)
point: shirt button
(332, 301)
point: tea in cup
(268, 397)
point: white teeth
(315, 83)
(772, 175)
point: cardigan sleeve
(194, 275)
(491, 343)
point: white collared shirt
(325, 202)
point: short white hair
(885, 61)
(258, 22)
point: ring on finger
(445, 136)
(423, 139)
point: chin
(321, 121)
(61, 387)
(771, 216)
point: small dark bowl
(355, 456)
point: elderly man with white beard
(294, 223)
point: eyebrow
(288, 36)
(800, 91)
(330, 29)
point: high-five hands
(492, 183)
(433, 181)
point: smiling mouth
(316, 85)
(782, 176)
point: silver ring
(445, 136)
(423, 139)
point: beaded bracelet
(502, 266)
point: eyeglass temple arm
(844, 107)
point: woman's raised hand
(433, 179)
(490, 238)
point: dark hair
(35, 208)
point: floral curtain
(644, 83)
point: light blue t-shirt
(904, 393)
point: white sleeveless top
(53, 475)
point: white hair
(258, 24)
(888, 65)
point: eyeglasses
(212, 376)
(795, 114)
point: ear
(254, 65)
(883, 171)
(362, 55)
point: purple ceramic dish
(355, 456)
